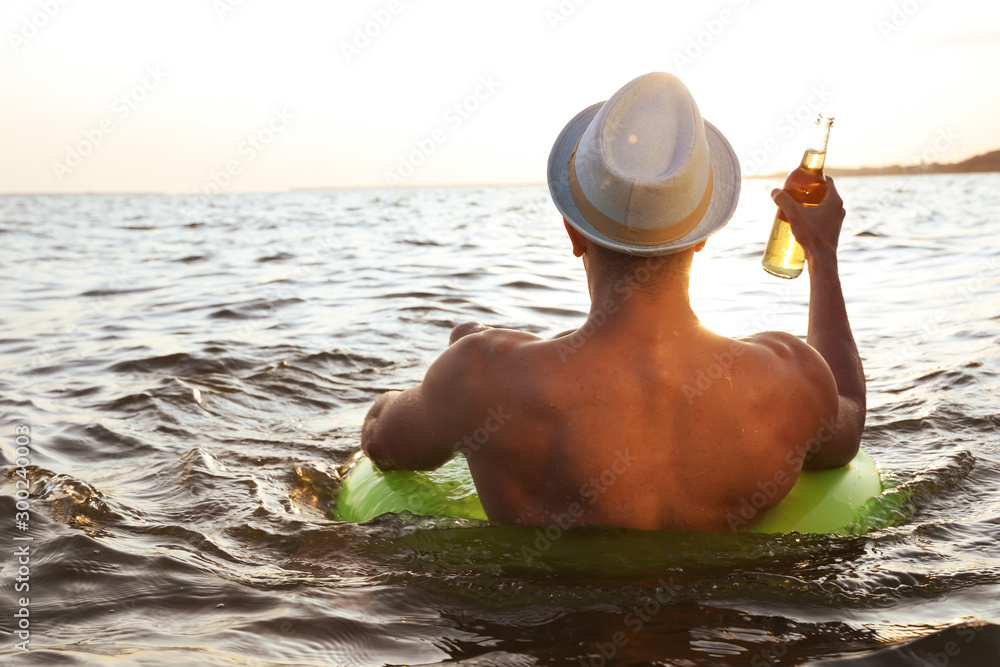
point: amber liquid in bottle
(783, 256)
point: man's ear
(579, 243)
(700, 246)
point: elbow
(375, 449)
(369, 441)
(837, 443)
(831, 455)
(372, 435)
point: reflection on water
(192, 382)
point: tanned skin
(608, 424)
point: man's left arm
(817, 229)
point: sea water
(183, 376)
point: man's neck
(643, 301)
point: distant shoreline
(987, 162)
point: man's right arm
(817, 229)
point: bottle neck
(812, 160)
(815, 156)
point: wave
(969, 644)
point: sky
(260, 95)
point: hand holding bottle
(816, 228)
(806, 184)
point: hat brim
(725, 190)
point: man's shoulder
(776, 368)
(778, 342)
(473, 380)
(490, 345)
(477, 357)
(783, 352)
(789, 371)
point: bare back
(685, 434)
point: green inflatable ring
(822, 501)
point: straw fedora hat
(643, 173)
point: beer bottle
(783, 256)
